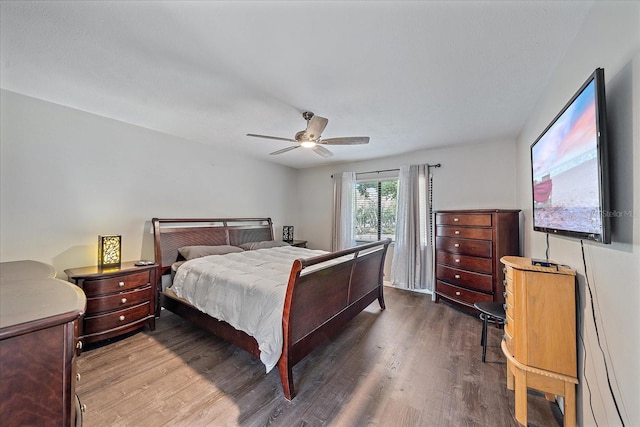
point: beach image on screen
(565, 170)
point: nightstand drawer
(103, 322)
(119, 300)
(476, 281)
(97, 287)
(465, 262)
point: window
(376, 210)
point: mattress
(245, 289)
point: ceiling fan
(310, 137)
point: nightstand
(299, 243)
(119, 300)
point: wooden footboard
(319, 304)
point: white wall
(471, 177)
(67, 176)
(610, 38)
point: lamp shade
(109, 250)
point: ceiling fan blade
(350, 140)
(284, 150)
(272, 137)
(315, 127)
(318, 149)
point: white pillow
(191, 252)
(263, 245)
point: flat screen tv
(569, 173)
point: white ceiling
(410, 75)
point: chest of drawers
(468, 248)
(119, 300)
(38, 320)
(540, 333)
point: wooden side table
(119, 300)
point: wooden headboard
(172, 234)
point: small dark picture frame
(287, 233)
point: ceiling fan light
(308, 144)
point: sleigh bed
(319, 294)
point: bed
(319, 294)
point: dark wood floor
(415, 364)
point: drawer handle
(457, 260)
(504, 270)
(79, 345)
(504, 294)
(123, 300)
(83, 408)
(121, 284)
(456, 219)
(121, 318)
(505, 307)
(457, 293)
(457, 276)
(457, 245)
(456, 232)
(78, 377)
(504, 282)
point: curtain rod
(380, 171)
(437, 165)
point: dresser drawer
(481, 248)
(508, 273)
(465, 262)
(509, 299)
(114, 319)
(509, 331)
(97, 287)
(119, 300)
(465, 296)
(509, 308)
(477, 281)
(510, 320)
(465, 232)
(508, 339)
(470, 219)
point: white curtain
(412, 264)
(343, 211)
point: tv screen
(569, 168)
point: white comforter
(245, 289)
